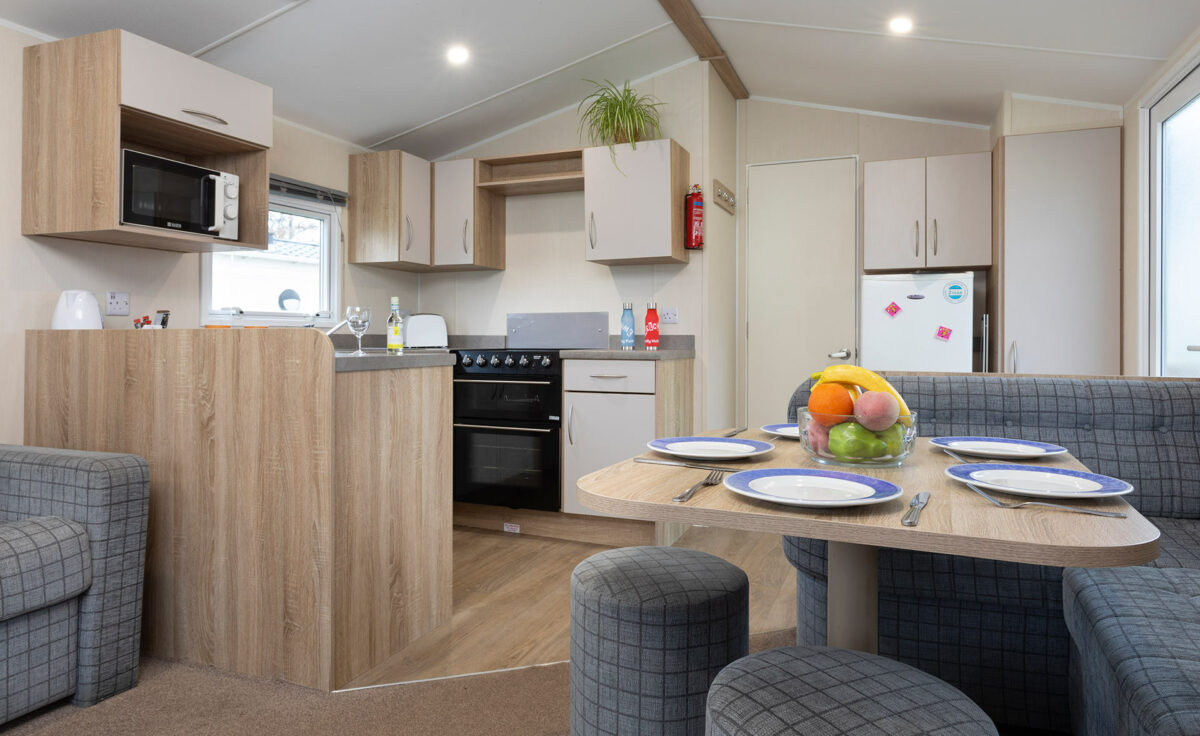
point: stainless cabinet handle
(935, 236)
(842, 354)
(466, 224)
(571, 426)
(608, 375)
(505, 429)
(592, 230)
(1013, 352)
(916, 238)
(409, 239)
(206, 116)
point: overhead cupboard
(88, 98)
(933, 212)
(633, 203)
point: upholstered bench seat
(650, 629)
(836, 692)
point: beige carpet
(193, 701)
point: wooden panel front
(392, 511)
(236, 426)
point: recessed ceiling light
(900, 24)
(457, 54)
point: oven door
(507, 399)
(163, 193)
(508, 464)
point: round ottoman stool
(650, 629)
(818, 690)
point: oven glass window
(166, 195)
(495, 399)
(507, 467)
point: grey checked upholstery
(836, 692)
(87, 645)
(1136, 633)
(650, 629)
(996, 630)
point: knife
(914, 509)
(677, 464)
(734, 432)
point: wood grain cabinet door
(601, 429)
(894, 214)
(454, 212)
(958, 210)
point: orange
(830, 404)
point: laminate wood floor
(512, 601)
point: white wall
(33, 271)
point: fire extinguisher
(695, 218)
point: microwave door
(168, 194)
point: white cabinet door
(894, 214)
(414, 209)
(627, 205)
(600, 430)
(165, 82)
(1062, 247)
(958, 210)
(454, 212)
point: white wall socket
(670, 315)
(116, 303)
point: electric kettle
(76, 310)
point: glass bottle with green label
(395, 329)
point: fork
(711, 479)
(1059, 506)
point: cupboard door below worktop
(601, 429)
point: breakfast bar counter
(956, 521)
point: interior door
(454, 212)
(894, 214)
(1175, 230)
(801, 277)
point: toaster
(425, 331)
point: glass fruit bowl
(837, 439)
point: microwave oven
(159, 192)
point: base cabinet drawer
(600, 429)
(609, 376)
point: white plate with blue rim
(1024, 480)
(998, 447)
(710, 448)
(787, 431)
(812, 488)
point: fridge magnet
(892, 309)
(955, 292)
(943, 333)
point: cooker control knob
(546, 362)
(231, 212)
(509, 361)
(495, 361)
(467, 361)
(480, 360)
(524, 362)
(231, 191)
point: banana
(869, 380)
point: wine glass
(358, 319)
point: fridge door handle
(843, 354)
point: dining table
(955, 521)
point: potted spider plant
(613, 115)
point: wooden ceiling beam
(687, 19)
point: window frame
(330, 268)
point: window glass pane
(285, 278)
(1180, 247)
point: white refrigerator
(917, 322)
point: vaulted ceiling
(374, 72)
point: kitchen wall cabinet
(390, 216)
(634, 205)
(1056, 286)
(612, 408)
(86, 98)
(931, 212)
(468, 221)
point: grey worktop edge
(669, 354)
(393, 362)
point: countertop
(661, 354)
(381, 361)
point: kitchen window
(293, 282)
